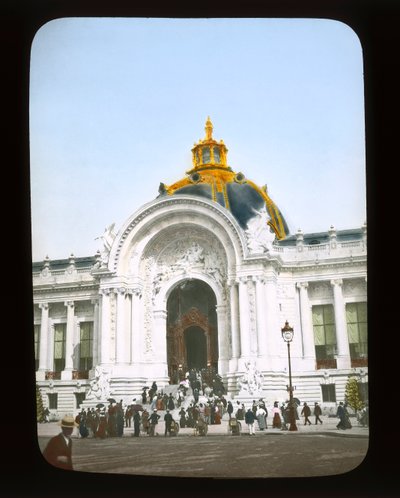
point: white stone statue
(259, 235)
(108, 239)
(252, 380)
(99, 385)
(193, 255)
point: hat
(68, 421)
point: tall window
(206, 155)
(86, 346)
(356, 318)
(324, 332)
(79, 399)
(59, 346)
(53, 401)
(36, 331)
(328, 392)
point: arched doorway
(192, 332)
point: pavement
(328, 427)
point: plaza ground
(316, 450)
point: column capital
(69, 304)
(302, 285)
(43, 306)
(135, 291)
(337, 282)
(105, 292)
(121, 290)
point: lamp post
(287, 335)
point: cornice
(57, 290)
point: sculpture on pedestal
(99, 385)
(258, 233)
(251, 381)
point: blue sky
(116, 105)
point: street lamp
(287, 335)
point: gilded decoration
(211, 170)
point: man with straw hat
(59, 449)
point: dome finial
(209, 129)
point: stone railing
(324, 251)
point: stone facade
(120, 299)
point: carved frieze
(354, 287)
(319, 290)
(179, 251)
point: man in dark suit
(59, 449)
(168, 422)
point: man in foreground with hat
(59, 449)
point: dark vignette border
(23, 472)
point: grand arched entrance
(192, 335)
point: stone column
(244, 319)
(342, 341)
(105, 327)
(160, 340)
(234, 303)
(307, 332)
(96, 346)
(66, 374)
(50, 348)
(251, 291)
(261, 318)
(77, 346)
(44, 341)
(271, 315)
(122, 339)
(223, 342)
(136, 326)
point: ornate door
(177, 352)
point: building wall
(125, 296)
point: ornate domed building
(212, 178)
(203, 277)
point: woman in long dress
(261, 414)
(102, 427)
(276, 420)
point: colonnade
(251, 321)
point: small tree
(39, 405)
(353, 394)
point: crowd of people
(205, 404)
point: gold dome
(211, 177)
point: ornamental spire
(209, 129)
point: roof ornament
(209, 129)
